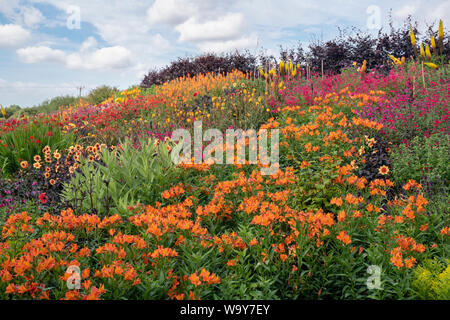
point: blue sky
(43, 52)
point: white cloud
(116, 57)
(170, 12)
(32, 16)
(229, 45)
(12, 35)
(405, 11)
(40, 54)
(89, 43)
(21, 14)
(227, 27)
(107, 58)
(441, 11)
(159, 44)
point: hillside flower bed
(345, 216)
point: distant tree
(53, 104)
(101, 93)
(11, 110)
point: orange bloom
(208, 277)
(231, 263)
(341, 216)
(357, 214)
(337, 201)
(344, 237)
(195, 280)
(10, 289)
(409, 262)
(396, 258)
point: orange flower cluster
(405, 244)
(173, 192)
(344, 237)
(205, 276)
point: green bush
(432, 280)
(424, 160)
(127, 176)
(48, 106)
(101, 93)
(11, 110)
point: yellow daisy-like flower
(37, 158)
(384, 170)
(37, 165)
(24, 164)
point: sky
(51, 47)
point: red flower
(43, 198)
(195, 94)
(49, 134)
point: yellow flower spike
(441, 36)
(422, 52)
(413, 38)
(431, 65)
(3, 111)
(396, 61)
(433, 42)
(363, 67)
(281, 66)
(427, 52)
(441, 31)
(291, 65)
